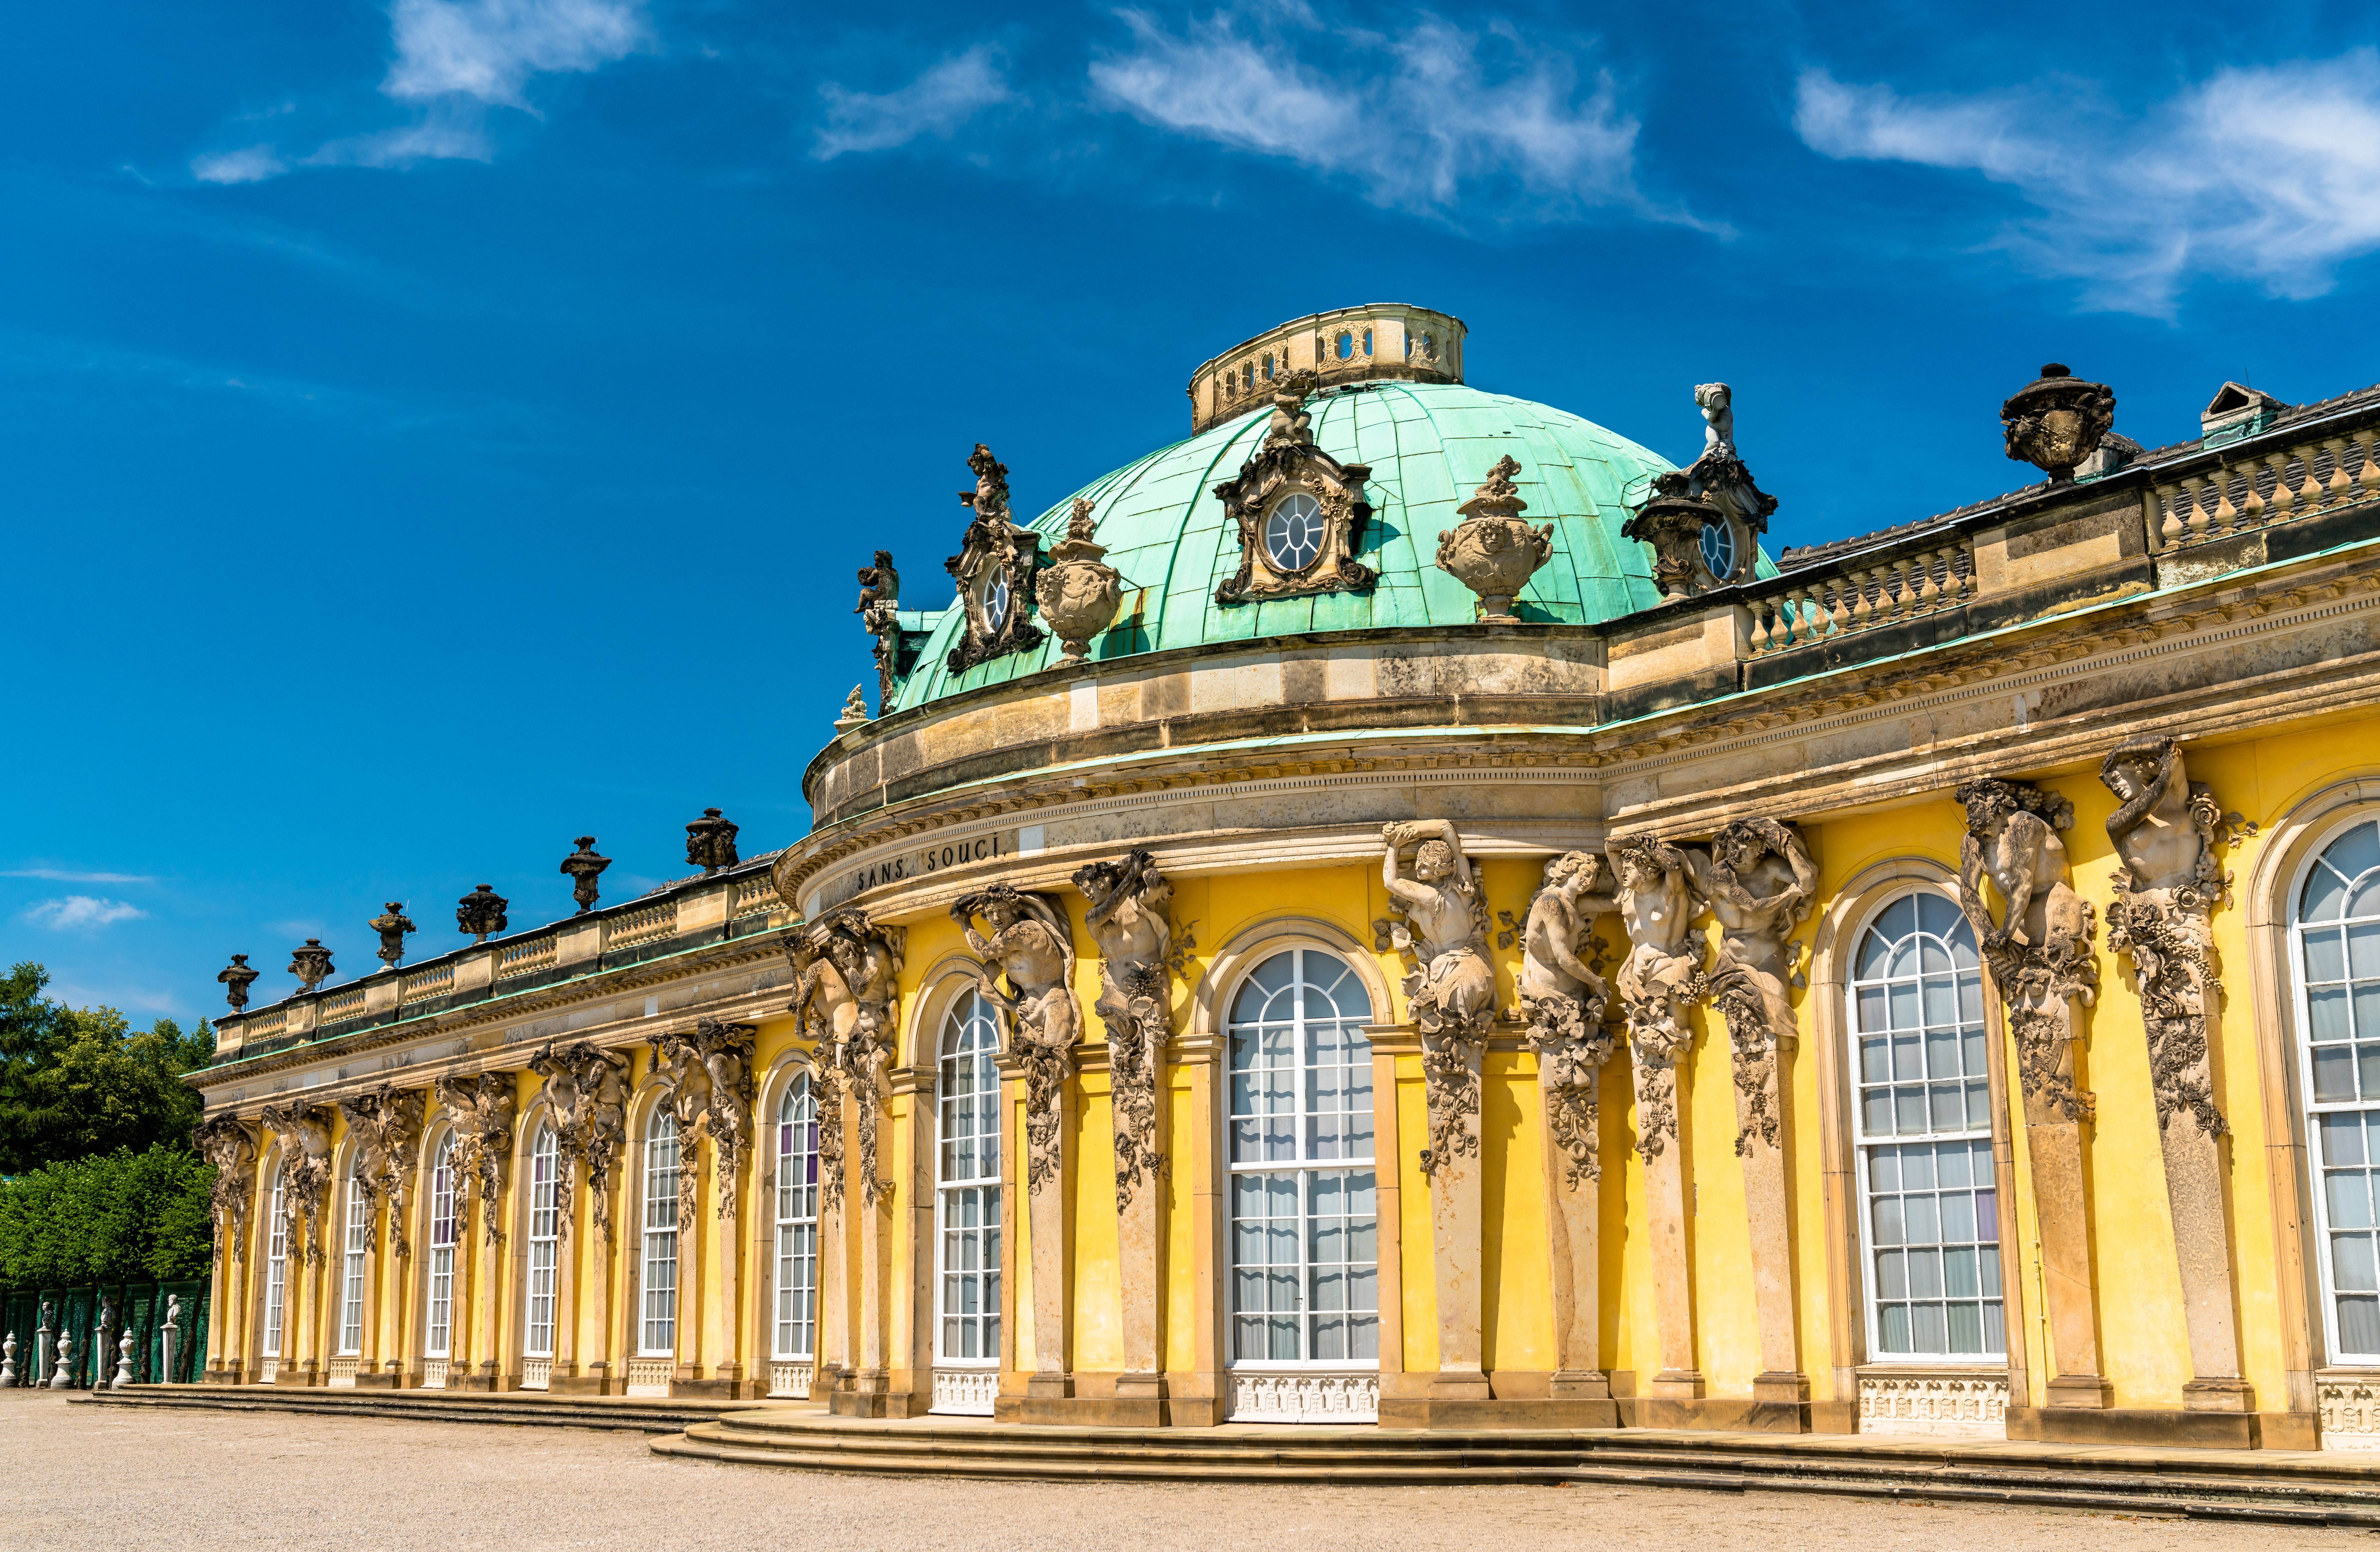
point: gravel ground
(81, 1477)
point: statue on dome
(1290, 424)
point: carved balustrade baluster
(2335, 489)
(2252, 505)
(2283, 497)
(2164, 515)
(2367, 479)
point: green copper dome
(1429, 446)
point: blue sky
(434, 431)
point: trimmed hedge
(120, 1216)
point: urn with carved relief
(2056, 421)
(1493, 551)
(1078, 592)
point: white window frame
(797, 1222)
(1991, 1281)
(276, 1264)
(438, 1300)
(1305, 1166)
(971, 1011)
(544, 1242)
(351, 1267)
(657, 1245)
(2309, 1109)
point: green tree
(79, 1082)
(122, 1217)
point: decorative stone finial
(584, 867)
(237, 977)
(311, 964)
(480, 913)
(711, 842)
(1493, 551)
(2056, 421)
(855, 712)
(1078, 592)
(392, 926)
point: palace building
(1400, 908)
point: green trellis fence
(25, 1311)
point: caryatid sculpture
(2166, 889)
(1027, 942)
(385, 1122)
(482, 1107)
(1757, 879)
(1128, 918)
(304, 1132)
(1661, 974)
(225, 1141)
(712, 1067)
(2040, 951)
(866, 960)
(2039, 954)
(2167, 885)
(826, 1011)
(1563, 999)
(586, 1093)
(1450, 991)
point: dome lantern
(1380, 342)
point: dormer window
(1718, 550)
(1292, 532)
(995, 601)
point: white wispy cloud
(70, 875)
(454, 60)
(489, 49)
(2268, 174)
(81, 912)
(1414, 116)
(937, 102)
(248, 165)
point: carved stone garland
(2040, 959)
(994, 571)
(1288, 464)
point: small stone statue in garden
(64, 1376)
(122, 1361)
(9, 1362)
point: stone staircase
(525, 1407)
(2266, 1485)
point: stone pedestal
(1762, 1150)
(2053, 1148)
(1574, 1230)
(1455, 1207)
(1658, 1105)
(1047, 1188)
(2193, 1183)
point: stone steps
(654, 1415)
(2266, 1485)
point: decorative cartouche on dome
(994, 571)
(1381, 342)
(1298, 510)
(1703, 521)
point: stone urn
(1078, 592)
(2056, 421)
(1494, 550)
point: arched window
(2336, 950)
(797, 1212)
(1929, 1219)
(1305, 1285)
(966, 1207)
(657, 1332)
(276, 1262)
(545, 1243)
(439, 1340)
(351, 1264)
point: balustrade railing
(1827, 602)
(423, 985)
(756, 896)
(2259, 487)
(646, 925)
(271, 1020)
(343, 1003)
(527, 958)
